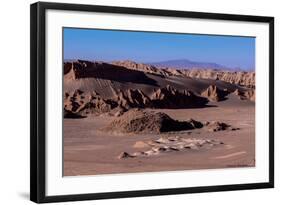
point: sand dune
(105, 77)
(87, 69)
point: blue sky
(145, 47)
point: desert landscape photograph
(138, 101)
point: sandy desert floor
(90, 151)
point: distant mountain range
(184, 63)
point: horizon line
(222, 67)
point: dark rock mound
(124, 155)
(139, 121)
(215, 126)
(72, 115)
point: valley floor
(90, 151)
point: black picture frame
(38, 101)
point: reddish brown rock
(213, 93)
(246, 95)
(168, 97)
(131, 98)
(139, 121)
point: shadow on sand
(87, 69)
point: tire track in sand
(230, 155)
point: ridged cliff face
(235, 77)
(240, 78)
(214, 94)
(168, 97)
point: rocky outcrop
(81, 69)
(150, 122)
(242, 78)
(123, 100)
(250, 94)
(246, 95)
(124, 155)
(77, 69)
(72, 115)
(73, 101)
(215, 126)
(140, 67)
(131, 98)
(78, 102)
(125, 85)
(168, 97)
(213, 93)
(234, 77)
(165, 145)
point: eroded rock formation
(213, 93)
(168, 97)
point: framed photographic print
(129, 102)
